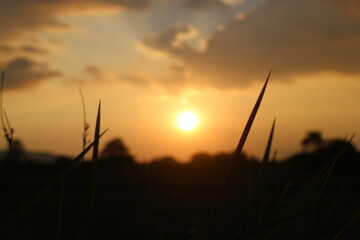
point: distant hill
(36, 156)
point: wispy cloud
(203, 4)
(25, 72)
(169, 41)
(34, 49)
(93, 72)
(135, 78)
(22, 21)
(18, 17)
(90, 74)
(6, 49)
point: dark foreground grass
(17, 217)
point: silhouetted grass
(85, 141)
(5, 123)
(72, 164)
(237, 156)
(89, 211)
(305, 204)
(86, 126)
(264, 220)
(255, 212)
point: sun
(187, 120)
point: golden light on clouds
(187, 121)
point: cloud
(18, 17)
(6, 49)
(177, 75)
(351, 6)
(90, 74)
(24, 72)
(232, 2)
(93, 72)
(27, 49)
(208, 4)
(20, 21)
(136, 78)
(170, 41)
(290, 36)
(33, 49)
(203, 4)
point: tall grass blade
(85, 124)
(8, 130)
(250, 121)
(89, 212)
(256, 211)
(236, 157)
(1, 99)
(27, 206)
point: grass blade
(8, 130)
(236, 157)
(27, 207)
(250, 121)
(85, 124)
(1, 99)
(256, 210)
(89, 212)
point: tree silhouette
(116, 157)
(312, 141)
(115, 149)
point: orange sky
(148, 60)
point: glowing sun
(187, 121)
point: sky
(149, 60)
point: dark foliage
(165, 199)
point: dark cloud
(24, 72)
(94, 72)
(90, 74)
(134, 78)
(33, 50)
(177, 75)
(351, 6)
(203, 4)
(290, 36)
(169, 41)
(17, 16)
(6, 49)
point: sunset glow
(146, 60)
(187, 121)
